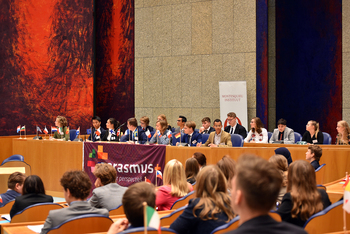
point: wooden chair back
(232, 225)
(182, 201)
(4, 177)
(117, 211)
(169, 219)
(320, 174)
(275, 216)
(7, 208)
(37, 212)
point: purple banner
(133, 163)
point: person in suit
(77, 186)
(283, 133)
(33, 193)
(181, 123)
(313, 155)
(15, 188)
(107, 194)
(313, 135)
(112, 127)
(191, 137)
(234, 127)
(61, 124)
(132, 134)
(97, 132)
(255, 187)
(144, 128)
(218, 138)
(206, 128)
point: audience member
(211, 206)
(162, 135)
(15, 188)
(97, 132)
(234, 127)
(285, 152)
(313, 135)
(181, 123)
(33, 193)
(107, 194)
(281, 163)
(163, 117)
(343, 137)
(112, 126)
(302, 199)
(257, 133)
(283, 133)
(228, 166)
(77, 186)
(255, 188)
(61, 124)
(313, 155)
(191, 170)
(218, 138)
(206, 128)
(201, 159)
(175, 185)
(133, 200)
(191, 137)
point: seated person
(281, 163)
(228, 167)
(257, 133)
(144, 127)
(283, 133)
(191, 170)
(303, 199)
(15, 188)
(61, 124)
(313, 135)
(201, 159)
(343, 137)
(219, 138)
(234, 127)
(285, 152)
(132, 133)
(162, 136)
(107, 194)
(255, 188)
(181, 123)
(211, 206)
(206, 128)
(33, 193)
(313, 155)
(163, 117)
(112, 133)
(191, 137)
(132, 201)
(97, 132)
(77, 186)
(175, 185)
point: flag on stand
(78, 131)
(169, 134)
(45, 130)
(98, 133)
(118, 132)
(147, 180)
(148, 134)
(112, 132)
(135, 133)
(53, 129)
(38, 129)
(346, 200)
(159, 175)
(67, 131)
(178, 135)
(18, 128)
(158, 132)
(152, 218)
(23, 128)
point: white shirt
(258, 138)
(217, 138)
(232, 130)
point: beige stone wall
(346, 60)
(183, 48)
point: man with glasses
(234, 127)
(181, 123)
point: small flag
(169, 134)
(78, 131)
(148, 134)
(98, 133)
(0, 199)
(112, 132)
(118, 132)
(45, 130)
(147, 180)
(67, 131)
(53, 129)
(178, 135)
(158, 132)
(23, 128)
(135, 133)
(153, 219)
(159, 175)
(346, 200)
(18, 128)
(38, 129)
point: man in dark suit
(181, 123)
(191, 137)
(133, 133)
(97, 132)
(15, 188)
(206, 128)
(254, 191)
(144, 129)
(234, 127)
(77, 186)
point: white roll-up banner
(233, 98)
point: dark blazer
(114, 136)
(142, 133)
(315, 164)
(211, 129)
(196, 138)
(8, 196)
(22, 202)
(313, 140)
(98, 138)
(141, 136)
(239, 130)
(65, 136)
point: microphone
(121, 125)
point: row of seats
(327, 139)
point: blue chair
(36, 212)
(320, 171)
(15, 157)
(237, 140)
(88, 131)
(141, 230)
(269, 134)
(170, 218)
(327, 139)
(72, 134)
(182, 201)
(233, 224)
(205, 138)
(319, 168)
(297, 137)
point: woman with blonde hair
(61, 124)
(257, 133)
(211, 206)
(313, 135)
(175, 185)
(343, 137)
(281, 163)
(302, 199)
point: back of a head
(14, 178)
(106, 172)
(78, 183)
(132, 201)
(285, 152)
(192, 168)
(228, 166)
(132, 122)
(279, 161)
(259, 181)
(33, 184)
(174, 175)
(202, 160)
